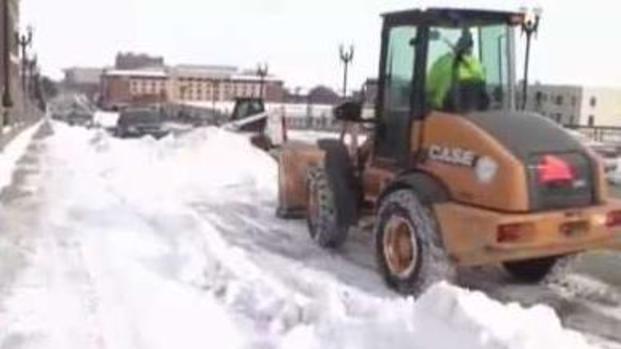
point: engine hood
(526, 134)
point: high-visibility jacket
(440, 77)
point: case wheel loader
(452, 174)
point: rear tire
(409, 247)
(531, 270)
(321, 214)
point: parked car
(79, 118)
(140, 122)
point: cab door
(400, 95)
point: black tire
(429, 263)
(340, 173)
(531, 270)
(321, 217)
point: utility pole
(262, 71)
(7, 100)
(347, 57)
(31, 65)
(24, 41)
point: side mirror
(434, 35)
(348, 111)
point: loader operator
(453, 70)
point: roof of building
(145, 73)
(253, 77)
(208, 71)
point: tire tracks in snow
(263, 237)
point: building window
(591, 120)
(593, 102)
(574, 101)
(559, 100)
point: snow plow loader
(250, 117)
(453, 173)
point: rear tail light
(613, 219)
(514, 232)
(554, 170)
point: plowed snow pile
(155, 273)
(209, 163)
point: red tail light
(553, 169)
(509, 233)
(613, 219)
(514, 232)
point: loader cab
(246, 108)
(425, 68)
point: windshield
(472, 61)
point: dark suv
(140, 122)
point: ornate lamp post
(24, 41)
(31, 65)
(347, 57)
(262, 71)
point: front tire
(409, 247)
(531, 270)
(321, 217)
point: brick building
(184, 83)
(220, 83)
(121, 88)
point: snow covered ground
(110, 243)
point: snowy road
(111, 243)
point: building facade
(194, 83)
(10, 63)
(184, 84)
(122, 88)
(577, 105)
(83, 80)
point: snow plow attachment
(250, 117)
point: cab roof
(452, 17)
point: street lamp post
(262, 71)
(24, 41)
(529, 27)
(31, 66)
(347, 57)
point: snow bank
(445, 317)
(207, 163)
(187, 286)
(12, 152)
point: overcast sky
(579, 41)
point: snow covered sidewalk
(112, 243)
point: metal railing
(604, 134)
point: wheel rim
(400, 247)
